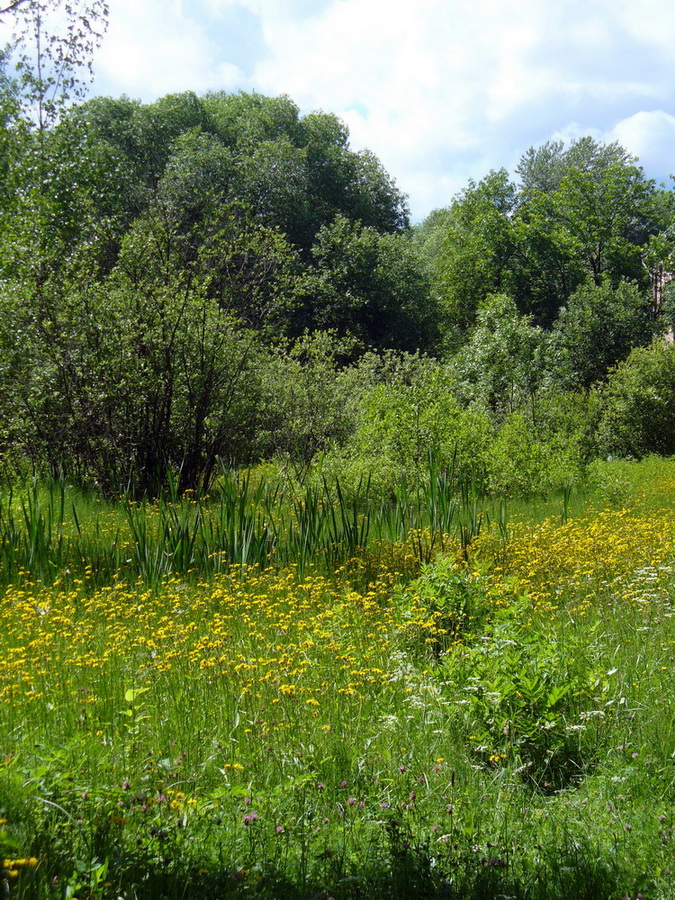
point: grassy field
(388, 712)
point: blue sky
(440, 90)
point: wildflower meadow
(478, 712)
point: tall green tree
(54, 42)
(584, 214)
(502, 366)
(369, 286)
(542, 169)
(309, 400)
(580, 214)
(474, 251)
(117, 386)
(597, 328)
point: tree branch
(11, 6)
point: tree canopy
(581, 214)
(204, 278)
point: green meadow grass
(352, 721)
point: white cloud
(651, 22)
(153, 48)
(650, 136)
(454, 88)
(432, 76)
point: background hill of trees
(220, 277)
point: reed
(52, 531)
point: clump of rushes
(53, 532)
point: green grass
(54, 530)
(500, 726)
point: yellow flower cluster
(261, 634)
(618, 552)
(12, 868)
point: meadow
(321, 696)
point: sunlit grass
(54, 531)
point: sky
(440, 90)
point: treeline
(219, 277)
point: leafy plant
(530, 706)
(451, 596)
(638, 416)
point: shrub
(599, 327)
(524, 465)
(117, 386)
(638, 415)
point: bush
(407, 414)
(638, 415)
(309, 407)
(522, 464)
(599, 327)
(118, 387)
(531, 702)
(456, 599)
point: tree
(193, 232)
(408, 426)
(604, 220)
(56, 41)
(408, 413)
(598, 328)
(580, 214)
(584, 215)
(373, 198)
(141, 245)
(271, 182)
(118, 386)
(542, 169)
(502, 366)
(305, 172)
(308, 399)
(369, 286)
(474, 257)
(8, 113)
(244, 120)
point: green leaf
(132, 694)
(8, 843)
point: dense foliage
(222, 278)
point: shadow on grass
(408, 872)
